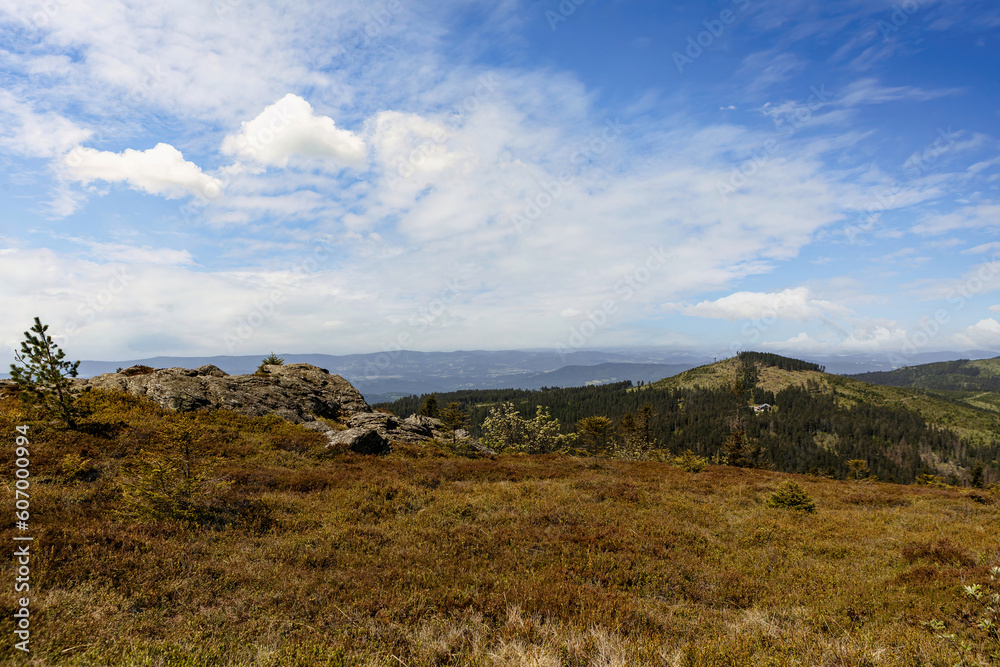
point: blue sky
(235, 177)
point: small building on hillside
(763, 407)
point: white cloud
(290, 128)
(977, 216)
(875, 338)
(409, 146)
(983, 335)
(27, 132)
(870, 91)
(790, 304)
(982, 249)
(768, 68)
(161, 170)
(120, 252)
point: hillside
(960, 375)
(820, 421)
(939, 410)
(214, 538)
(975, 383)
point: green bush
(505, 430)
(690, 462)
(791, 496)
(270, 360)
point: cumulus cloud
(290, 128)
(984, 334)
(871, 339)
(161, 170)
(790, 304)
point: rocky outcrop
(296, 392)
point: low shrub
(791, 496)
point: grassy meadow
(218, 539)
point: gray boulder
(415, 428)
(296, 392)
(360, 440)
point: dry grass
(414, 559)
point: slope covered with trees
(817, 422)
(959, 375)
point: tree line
(804, 432)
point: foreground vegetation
(218, 539)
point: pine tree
(44, 378)
(429, 407)
(453, 417)
(791, 496)
(858, 468)
(977, 475)
(593, 433)
(740, 450)
(270, 360)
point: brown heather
(296, 556)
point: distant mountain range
(385, 376)
(390, 375)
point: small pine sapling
(44, 375)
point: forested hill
(960, 375)
(818, 421)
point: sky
(231, 177)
